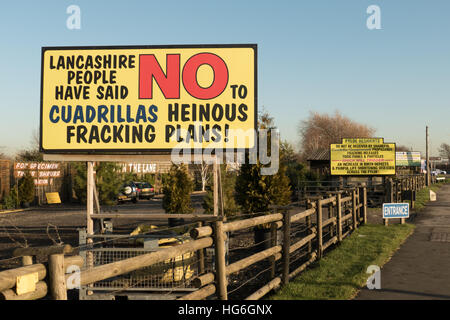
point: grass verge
(423, 196)
(342, 272)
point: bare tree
(35, 138)
(2, 155)
(320, 130)
(203, 170)
(444, 150)
(402, 148)
(33, 153)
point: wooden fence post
(355, 221)
(402, 189)
(339, 217)
(319, 228)
(330, 215)
(201, 255)
(219, 247)
(398, 190)
(273, 243)
(364, 205)
(389, 196)
(286, 246)
(27, 260)
(57, 277)
(390, 190)
(309, 226)
(358, 202)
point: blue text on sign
(395, 210)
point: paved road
(420, 269)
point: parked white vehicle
(438, 172)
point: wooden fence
(389, 189)
(35, 281)
(345, 212)
(326, 221)
(404, 188)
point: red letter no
(190, 76)
(169, 83)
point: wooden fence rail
(208, 283)
(47, 279)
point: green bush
(26, 189)
(177, 189)
(109, 180)
(228, 190)
(279, 188)
(252, 189)
(256, 192)
(79, 181)
(11, 200)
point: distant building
(319, 162)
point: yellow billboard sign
(147, 98)
(362, 156)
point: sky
(312, 56)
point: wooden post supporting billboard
(215, 187)
(90, 209)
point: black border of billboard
(253, 46)
(366, 175)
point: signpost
(395, 211)
(362, 157)
(139, 103)
(42, 172)
(408, 159)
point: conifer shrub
(177, 189)
(26, 189)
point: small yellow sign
(52, 197)
(362, 156)
(26, 283)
